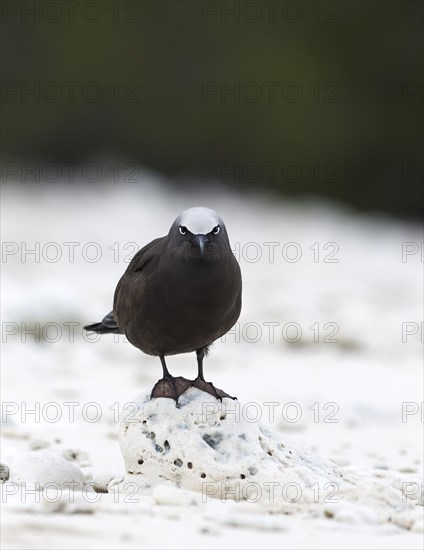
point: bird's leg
(200, 355)
(201, 383)
(169, 386)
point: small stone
(40, 468)
(38, 443)
(4, 473)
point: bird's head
(199, 233)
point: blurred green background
(345, 123)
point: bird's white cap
(199, 220)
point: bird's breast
(198, 288)
(184, 306)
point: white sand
(347, 396)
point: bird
(179, 294)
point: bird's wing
(132, 281)
(146, 254)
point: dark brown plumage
(179, 294)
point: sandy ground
(335, 345)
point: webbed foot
(170, 386)
(208, 387)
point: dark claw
(208, 387)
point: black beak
(201, 242)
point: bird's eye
(183, 229)
(215, 230)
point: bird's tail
(107, 325)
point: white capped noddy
(179, 294)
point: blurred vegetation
(354, 134)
